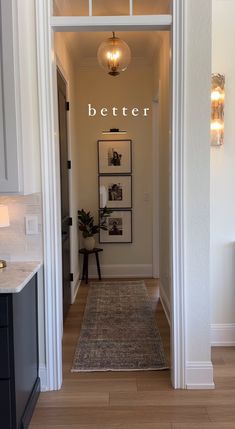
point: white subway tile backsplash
(15, 245)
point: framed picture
(114, 156)
(115, 192)
(119, 226)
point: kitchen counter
(16, 275)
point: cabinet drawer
(4, 310)
(4, 353)
(5, 404)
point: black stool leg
(87, 268)
(84, 267)
(98, 265)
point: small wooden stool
(86, 254)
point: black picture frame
(114, 157)
(115, 191)
(119, 228)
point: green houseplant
(88, 227)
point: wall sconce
(217, 109)
(4, 222)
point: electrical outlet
(31, 225)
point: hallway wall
(162, 91)
(133, 88)
(222, 183)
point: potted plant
(89, 228)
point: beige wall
(162, 92)
(67, 66)
(131, 89)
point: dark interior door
(64, 180)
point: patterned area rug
(119, 332)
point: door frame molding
(50, 177)
(177, 245)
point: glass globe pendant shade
(114, 55)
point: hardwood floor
(135, 400)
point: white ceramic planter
(89, 243)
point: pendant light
(114, 55)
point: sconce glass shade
(217, 109)
(114, 55)
(4, 216)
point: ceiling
(143, 44)
(84, 45)
(111, 7)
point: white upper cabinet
(19, 129)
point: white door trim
(50, 198)
(51, 192)
(178, 312)
(108, 23)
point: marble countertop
(16, 275)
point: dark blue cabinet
(19, 381)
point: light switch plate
(31, 225)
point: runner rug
(119, 332)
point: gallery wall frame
(114, 156)
(115, 191)
(119, 228)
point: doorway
(134, 89)
(48, 126)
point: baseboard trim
(74, 287)
(165, 304)
(199, 375)
(122, 271)
(43, 378)
(223, 335)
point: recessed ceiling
(111, 7)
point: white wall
(222, 182)
(67, 66)
(133, 88)
(197, 192)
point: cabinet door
(9, 99)
(4, 310)
(4, 353)
(25, 345)
(6, 415)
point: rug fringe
(120, 370)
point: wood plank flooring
(135, 400)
